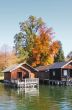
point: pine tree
(60, 55)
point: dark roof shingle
(15, 66)
(42, 68)
(57, 65)
(52, 66)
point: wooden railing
(32, 82)
(27, 82)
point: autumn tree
(35, 43)
(59, 57)
(24, 40)
(7, 58)
(45, 48)
(12, 58)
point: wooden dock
(34, 83)
(26, 83)
(56, 82)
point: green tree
(31, 26)
(34, 43)
(59, 57)
(24, 40)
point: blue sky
(55, 13)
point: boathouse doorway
(19, 75)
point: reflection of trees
(7, 101)
(49, 98)
(58, 97)
(68, 97)
(7, 93)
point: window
(53, 73)
(65, 72)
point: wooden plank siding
(7, 76)
(24, 72)
(68, 67)
(43, 75)
(57, 75)
(14, 74)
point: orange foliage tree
(7, 59)
(11, 59)
(45, 48)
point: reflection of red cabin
(19, 71)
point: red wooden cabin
(19, 72)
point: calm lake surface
(47, 98)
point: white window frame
(65, 72)
(53, 73)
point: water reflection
(28, 91)
(31, 92)
(46, 98)
(57, 98)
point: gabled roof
(9, 69)
(53, 66)
(13, 67)
(30, 67)
(57, 65)
(42, 68)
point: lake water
(46, 98)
